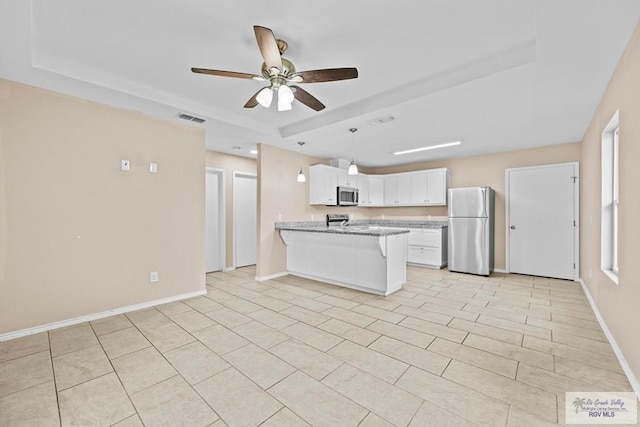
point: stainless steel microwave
(347, 196)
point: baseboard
(96, 316)
(500, 270)
(623, 362)
(225, 269)
(271, 276)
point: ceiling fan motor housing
(288, 69)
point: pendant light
(353, 168)
(301, 177)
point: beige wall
(229, 164)
(618, 304)
(481, 171)
(77, 235)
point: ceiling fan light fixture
(285, 98)
(265, 97)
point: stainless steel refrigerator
(471, 230)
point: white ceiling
(497, 74)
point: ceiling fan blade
(227, 73)
(328, 75)
(268, 47)
(307, 99)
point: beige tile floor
(448, 349)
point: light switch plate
(125, 165)
(153, 167)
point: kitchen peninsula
(367, 255)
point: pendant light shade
(353, 168)
(301, 177)
(265, 97)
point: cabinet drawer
(424, 255)
(424, 237)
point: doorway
(245, 218)
(542, 220)
(214, 220)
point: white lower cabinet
(428, 247)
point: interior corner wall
(282, 198)
(78, 236)
(617, 304)
(229, 164)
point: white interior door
(542, 220)
(214, 221)
(245, 212)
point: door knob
(513, 227)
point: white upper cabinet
(404, 189)
(419, 188)
(437, 185)
(390, 190)
(323, 185)
(363, 189)
(376, 190)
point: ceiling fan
(280, 73)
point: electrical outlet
(153, 167)
(153, 276)
(125, 165)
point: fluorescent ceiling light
(430, 147)
(253, 151)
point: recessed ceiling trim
(513, 56)
(100, 78)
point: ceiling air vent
(190, 118)
(382, 120)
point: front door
(542, 220)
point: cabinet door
(317, 189)
(376, 190)
(404, 189)
(363, 189)
(390, 190)
(424, 255)
(437, 187)
(419, 188)
(425, 237)
(323, 183)
(331, 185)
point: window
(610, 198)
(614, 204)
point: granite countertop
(359, 230)
(363, 227)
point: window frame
(610, 176)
